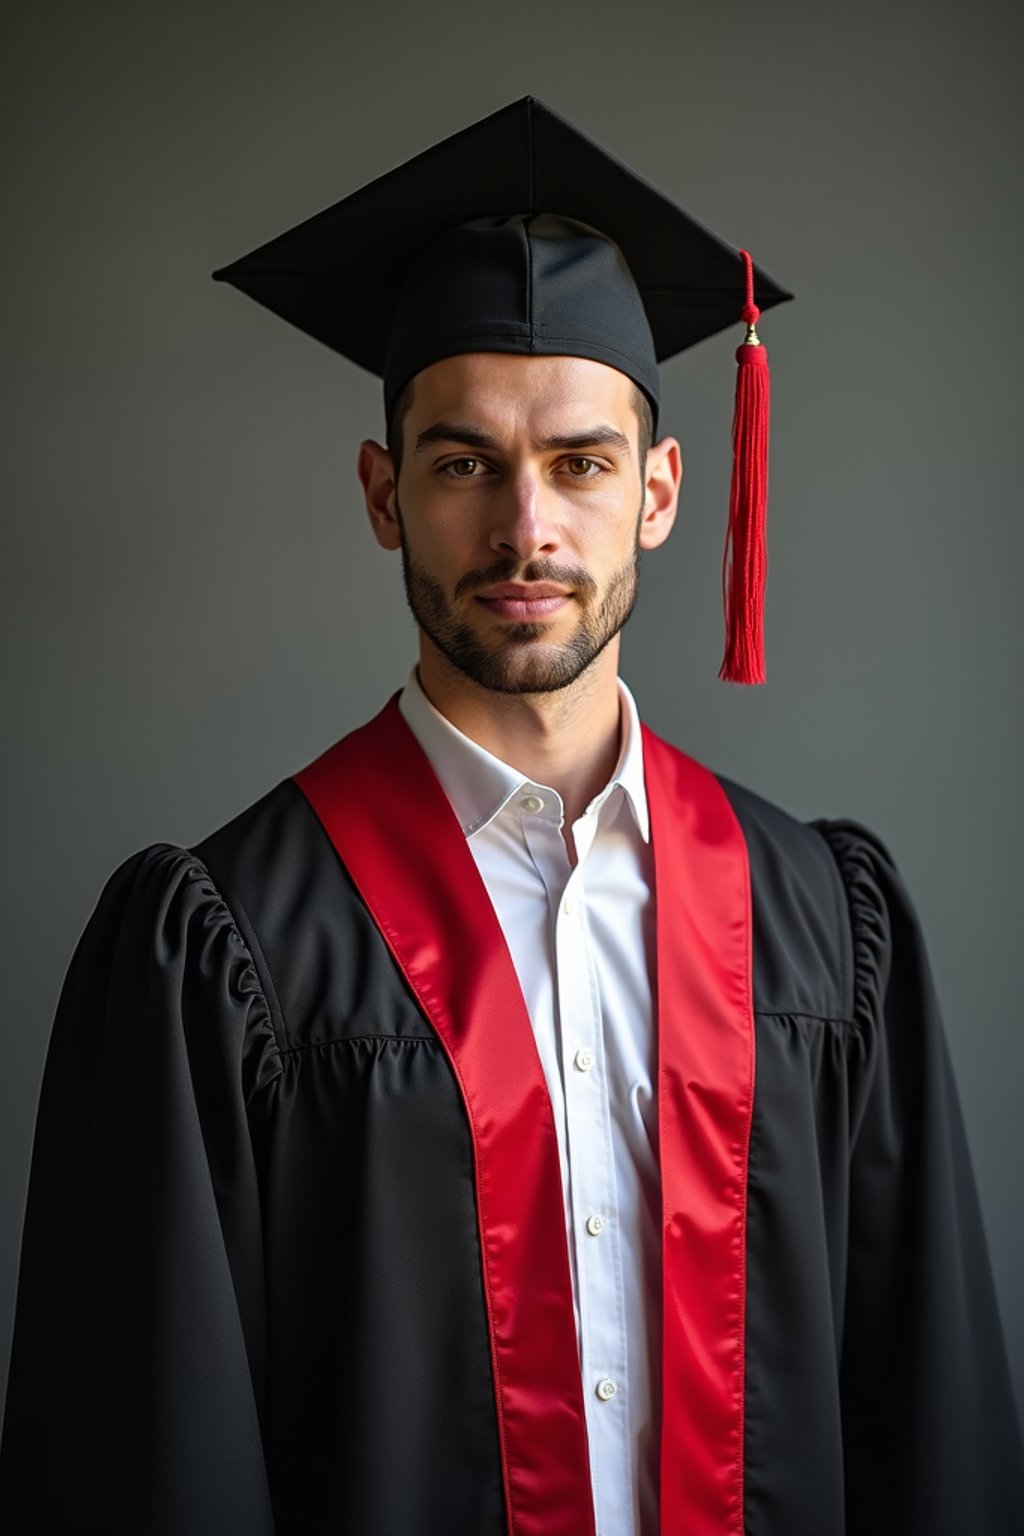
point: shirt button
(606, 1389)
(567, 905)
(532, 803)
(595, 1225)
(583, 1061)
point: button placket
(592, 1192)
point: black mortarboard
(517, 234)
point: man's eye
(462, 469)
(582, 468)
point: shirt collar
(479, 785)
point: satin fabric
(705, 1094)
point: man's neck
(569, 739)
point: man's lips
(524, 600)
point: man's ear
(376, 469)
(663, 477)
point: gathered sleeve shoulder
(135, 1392)
(931, 1436)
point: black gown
(259, 1292)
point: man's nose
(525, 522)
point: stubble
(520, 659)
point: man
(505, 1124)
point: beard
(521, 659)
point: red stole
(394, 830)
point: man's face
(519, 514)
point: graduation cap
(520, 234)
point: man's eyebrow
(601, 436)
(591, 437)
(453, 432)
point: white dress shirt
(582, 943)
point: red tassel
(745, 564)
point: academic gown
(294, 1257)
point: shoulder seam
(250, 938)
(843, 914)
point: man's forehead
(506, 389)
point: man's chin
(522, 664)
(553, 633)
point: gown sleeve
(134, 1400)
(931, 1437)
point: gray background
(193, 606)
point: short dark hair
(645, 416)
(400, 409)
